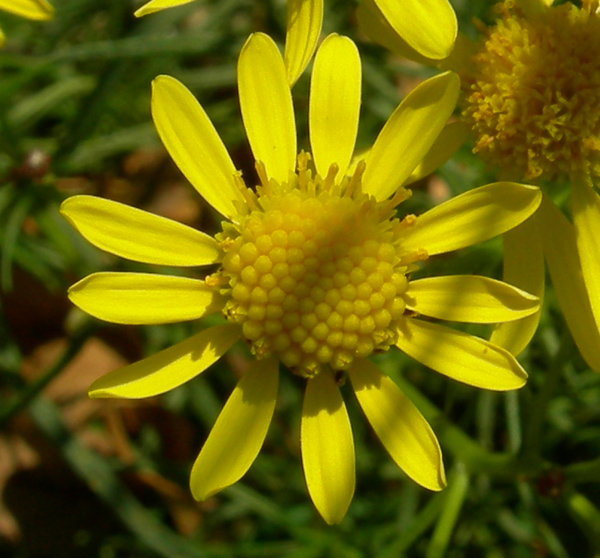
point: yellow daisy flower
(534, 105)
(31, 9)
(313, 270)
(532, 95)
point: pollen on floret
(315, 274)
(534, 92)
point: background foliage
(109, 478)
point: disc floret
(315, 271)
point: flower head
(314, 270)
(534, 100)
(31, 9)
(533, 103)
(532, 91)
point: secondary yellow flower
(533, 104)
(31, 9)
(532, 90)
(534, 100)
(313, 270)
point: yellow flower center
(315, 272)
(534, 101)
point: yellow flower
(532, 91)
(313, 270)
(534, 106)
(534, 103)
(31, 9)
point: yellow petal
(194, 145)
(31, 9)
(334, 103)
(445, 145)
(240, 430)
(560, 249)
(138, 235)
(460, 356)
(373, 24)
(144, 298)
(399, 425)
(304, 22)
(169, 368)
(586, 220)
(428, 26)
(158, 5)
(327, 448)
(409, 134)
(524, 268)
(472, 217)
(266, 104)
(469, 298)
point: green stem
(587, 516)
(416, 528)
(457, 492)
(34, 388)
(532, 446)
(9, 239)
(586, 471)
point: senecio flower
(31, 9)
(533, 103)
(313, 270)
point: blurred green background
(109, 478)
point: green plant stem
(586, 471)
(457, 492)
(34, 388)
(587, 516)
(9, 239)
(416, 528)
(513, 421)
(532, 439)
